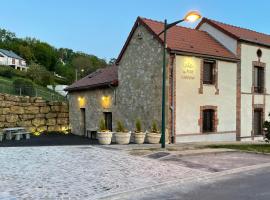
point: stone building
(216, 86)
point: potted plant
(139, 136)
(104, 136)
(122, 136)
(154, 136)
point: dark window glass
(259, 80)
(208, 120)
(208, 72)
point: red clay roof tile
(190, 40)
(239, 33)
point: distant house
(9, 58)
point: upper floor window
(209, 72)
(13, 61)
(258, 79)
(208, 120)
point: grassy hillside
(6, 86)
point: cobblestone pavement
(79, 172)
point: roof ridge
(179, 26)
(237, 26)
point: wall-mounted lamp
(81, 101)
(106, 102)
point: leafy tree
(24, 86)
(39, 75)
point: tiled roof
(183, 40)
(239, 33)
(190, 40)
(101, 78)
(10, 54)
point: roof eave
(92, 87)
(186, 53)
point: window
(108, 120)
(208, 120)
(258, 79)
(13, 61)
(209, 72)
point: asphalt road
(249, 185)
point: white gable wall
(225, 40)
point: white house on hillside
(9, 58)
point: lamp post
(190, 17)
(76, 73)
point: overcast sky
(100, 27)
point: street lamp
(76, 73)
(191, 16)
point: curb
(121, 195)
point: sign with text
(188, 70)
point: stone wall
(34, 113)
(138, 94)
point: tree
(39, 75)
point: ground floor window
(208, 120)
(258, 121)
(108, 120)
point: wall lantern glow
(106, 102)
(81, 101)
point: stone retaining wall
(34, 113)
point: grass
(6, 86)
(258, 148)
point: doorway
(108, 120)
(82, 122)
(258, 121)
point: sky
(100, 27)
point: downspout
(173, 100)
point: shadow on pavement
(49, 140)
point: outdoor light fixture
(81, 101)
(106, 102)
(191, 16)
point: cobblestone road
(72, 172)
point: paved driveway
(79, 172)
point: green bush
(40, 75)
(138, 125)
(120, 127)
(9, 72)
(266, 125)
(154, 128)
(24, 86)
(102, 126)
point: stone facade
(138, 94)
(33, 113)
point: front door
(258, 122)
(108, 120)
(82, 122)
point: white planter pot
(139, 138)
(153, 138)
(122, 138)
(104, 137)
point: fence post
(36, 91)
(20, 91)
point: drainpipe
(172, 102)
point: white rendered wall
(224, 39)
(188, 99)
